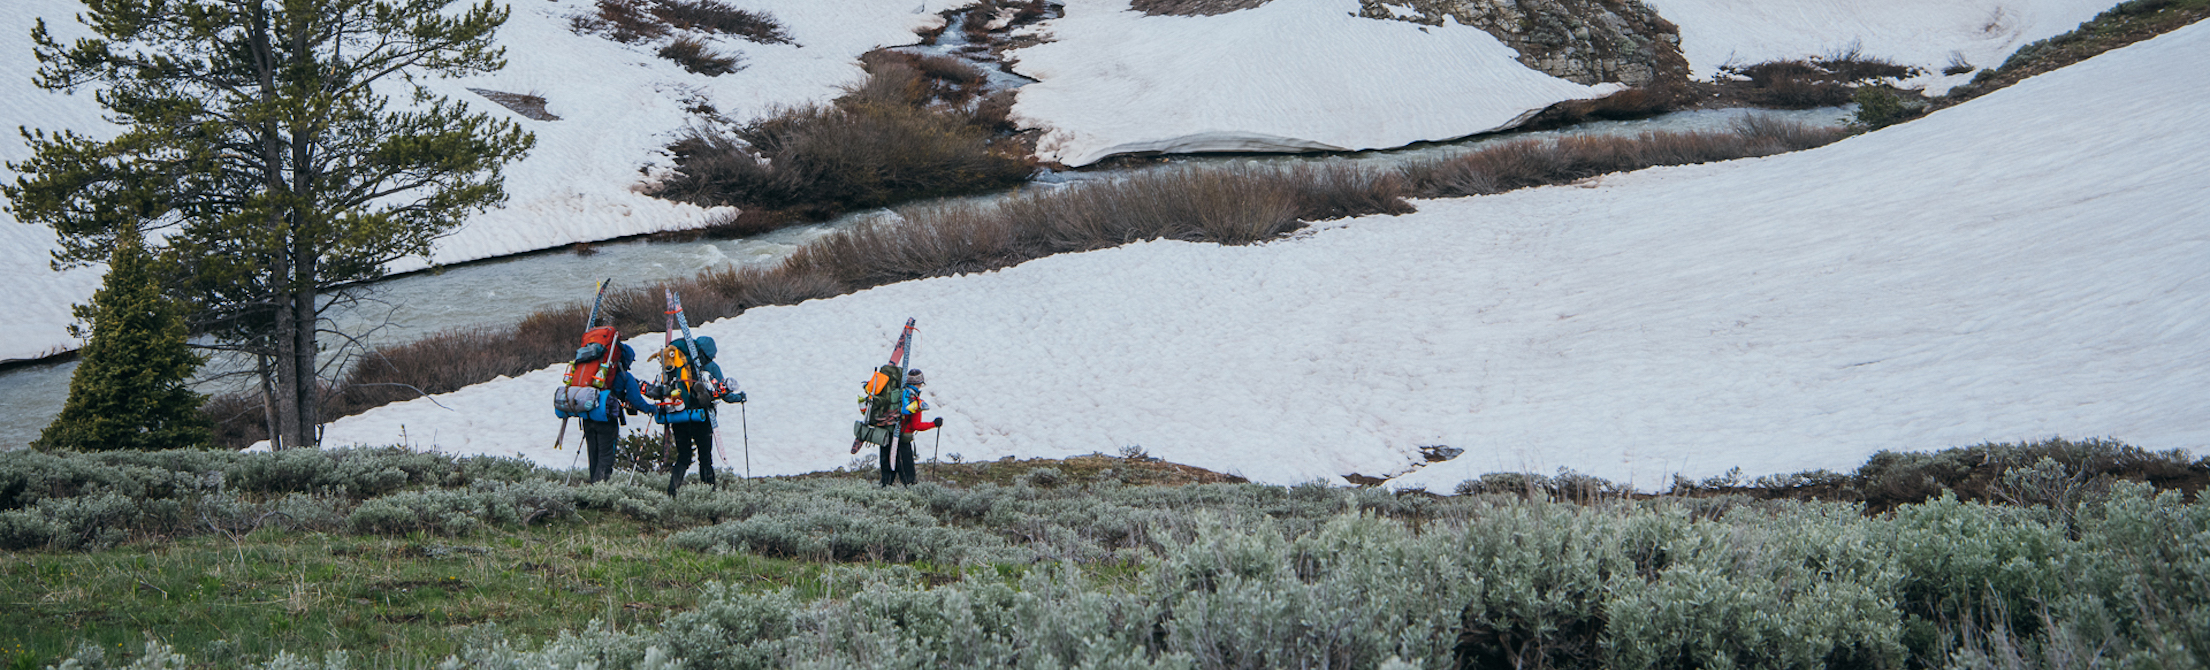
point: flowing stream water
(503, 290)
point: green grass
(393, 597)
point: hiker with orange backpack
(687, 391)
(597, 379)
(602, 425)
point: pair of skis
(901, 356)
(690, 352)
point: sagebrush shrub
(699, 58)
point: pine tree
(129, 389)
(260, 136)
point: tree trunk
(294, 363)
(307, 231)
(261, 365)
(303, 320)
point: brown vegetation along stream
(1226, 205)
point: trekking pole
(744, 424)
(571, 457)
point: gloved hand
(656, 390)
(734, 397)
(590, 352)
(939, 422)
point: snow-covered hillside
(618, 104)
(1926, 35)
(41, 313)
(2035, 262)
(1290, 75)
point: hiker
(902, 471)
(690, 416)
(602, 426)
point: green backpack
(886, 391)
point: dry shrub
(841, 157)
(623, 21)
(1769, 134)
(1191, 7)
(1341, 190)
(747, 223)
(239, 419)
(930, 35)
(949, 68)
(1229, 206)
(1633, 103)
(995, 112)
(899, 77)
(1793, 84)
(755, 287)
(977, 21)
(698, 58)
(1853, 66)
(1526, 163)
(1031, 11)
(1819, 82)
(628, 21)
(905, 133)
(713, 16)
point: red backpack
(590, 373)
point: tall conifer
(129, 390)
(264, 140)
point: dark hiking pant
(902, 471)
(698, 435)
(598, 445)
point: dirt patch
(525, 104)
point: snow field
(2031, 263)
(1289, 75)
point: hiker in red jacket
(902, 471)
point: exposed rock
(1583, 41)
(1191, 7)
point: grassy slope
(408, 600)
(402, 598)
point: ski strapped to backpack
(884, 400)
(696, 390)
(591, 371)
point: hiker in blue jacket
(602, 427)
(689, 414)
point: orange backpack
(598, 371)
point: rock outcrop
(1583, 41)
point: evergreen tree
(128, 391)
(259, 135)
